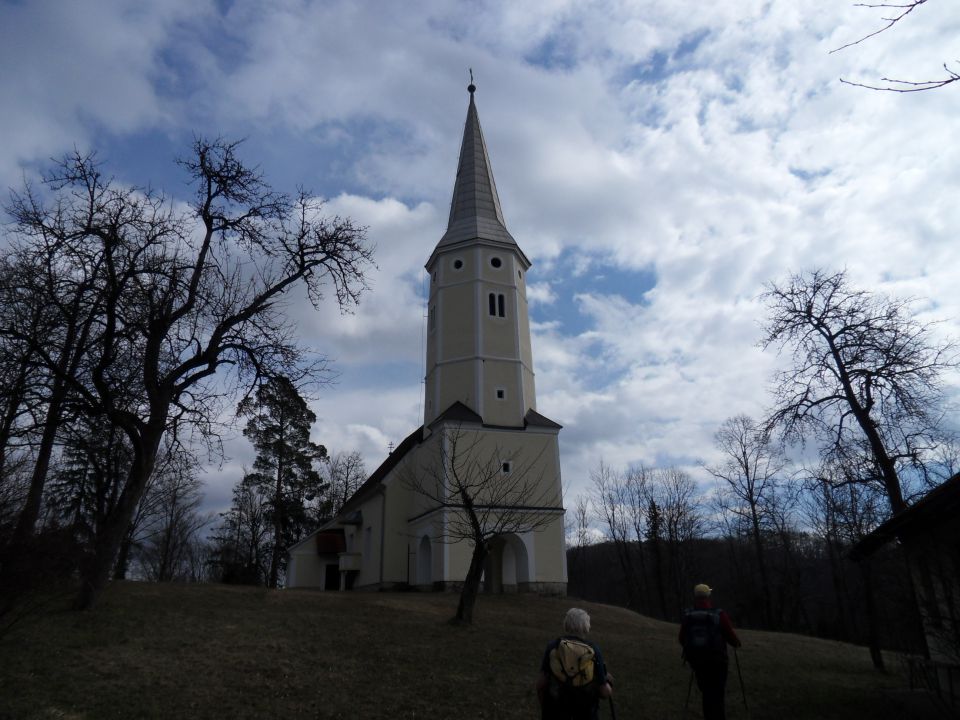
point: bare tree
(240, 549)
(188, 306)
(656, 510)
(51, 310)
(681, 517)
(581, 520)
(612, 502)
(863, 370)
(345, 473)
(22, 318)
(166, 544)
(747, 487)
(485, 496)
(898, 13)
(852, 507)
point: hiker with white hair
(705, 632)
(573, 677)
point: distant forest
(814, 589)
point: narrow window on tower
(507, 467)
(500, 306)
(492, 301)
(501, 394)
(433, 318)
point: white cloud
(710, 145)
(540, 294)
(71, 69)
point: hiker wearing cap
(573, 677)
(705, 632)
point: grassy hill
(207, 651)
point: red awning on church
(331, 542)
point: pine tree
(285, 469)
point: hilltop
(213, 651)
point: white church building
(403, 526)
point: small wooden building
(929, 533)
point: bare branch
(909, 86)
(906, 9)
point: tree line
(857, 429)
(129, 322)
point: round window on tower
(458, 264)
(496, 262)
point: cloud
(73, 70)
(540, 294)
(658, 162)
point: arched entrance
(507, 568)
(424, 562)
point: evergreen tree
(285, 469)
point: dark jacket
(726, 627)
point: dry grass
(161, 651)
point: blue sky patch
(601, 278)
(689, 44)
(663, 63)
(809, 175)
(323, 160)
(557, 51)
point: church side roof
(458, 412)
(537, 420)
(475, 212)
(378, 475)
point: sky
(659, 161)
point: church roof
(475, 212)
(378, 475)
(537, 420)
(458, 412)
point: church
(484, 460)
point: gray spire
(475, 209)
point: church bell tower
(478, 327)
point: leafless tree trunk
(855, 509)
(680, 506)
(611, 501)
(864, 371)
(180, 306)
(748, 479)
(483, 500)
(345, 472)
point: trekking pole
(743, 690)
(613, 712)
(686, 704)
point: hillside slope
(207, 651)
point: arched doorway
(424, 562)
(507, 568)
